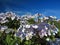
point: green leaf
(8, 39)
(13, 42)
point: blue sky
(21, 7)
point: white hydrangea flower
(2, 30)
(23, 29)
(45, 34)
(53, 33)
(35, 26)
(29, 35)
(46, 18)
(46, 28)
(49, 33)
(27, 26)
(13, 18)
(41, 36)
(7, 31)
(56, 31)
(16, 43)
(21, 36)
(47, 39)
(15, 34)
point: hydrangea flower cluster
(43, 29)
(25, 31)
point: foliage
(11, 39)
(31, 21)
(12, 23)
